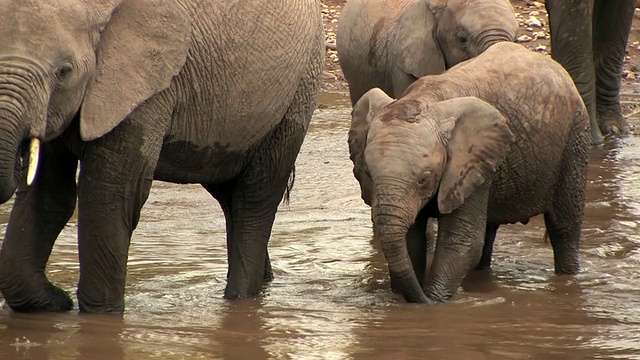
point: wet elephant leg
(611, 27)
(39, 214)
(116, 173)
(564, 219)
(222, 193)
(487, 249)
(258, 191)
(571, 46)
(459, 245)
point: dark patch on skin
(470, 150)
(375, 33)
(182, 161)
(407, 110)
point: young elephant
(390, 43)
(489, 142)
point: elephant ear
(361, 116)
(142, 46)
(416, 50)
(478, 142)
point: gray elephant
(390, 43)
(212, 92)
(487, 143)
(588, 37)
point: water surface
(331, 299)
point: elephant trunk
(10, 141)
(23, 105)
(490, 37)
(392, 217)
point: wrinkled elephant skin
(475, 147)
(588, 38)
(390, 43)
(211, 92)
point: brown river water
(331, 297)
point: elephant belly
(185, 162)
(516, 196)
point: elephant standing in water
(212, 92)
(488, 142)
(390, 43)
(588, 38)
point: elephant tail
(287, 192)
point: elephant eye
(462, 37)
(425, 178)
(64, 71)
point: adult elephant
(475, 147)
(588, 37)
(390, 43)
(135, 90)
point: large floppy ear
(361, 116)
(143, 45)
(478, 143)
(416, 50)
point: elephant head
(408, 153)
(451, 30)
(467, 28)
(90, 60)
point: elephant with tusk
(218, 93)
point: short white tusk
(34, 154)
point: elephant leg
(259, 190)
(116, 172)
(459, 245)
(571, 46)
(564, 219)
(39, 214)
(222, 193)
(487, 249)
(611, 27)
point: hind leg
(487, 249)
(564, 219)
(258, 191)
(222, 193)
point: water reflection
(331, 297)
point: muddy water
(331, 298)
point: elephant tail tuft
(287, 192)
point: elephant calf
(495, 140)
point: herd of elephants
(452, 120)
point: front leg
(116, 172)
(39, 213)
(459, 245)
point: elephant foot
(483, 267)
(238, 292)
(50, 299)
(614, 125)
(268, 270)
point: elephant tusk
(34, 154)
